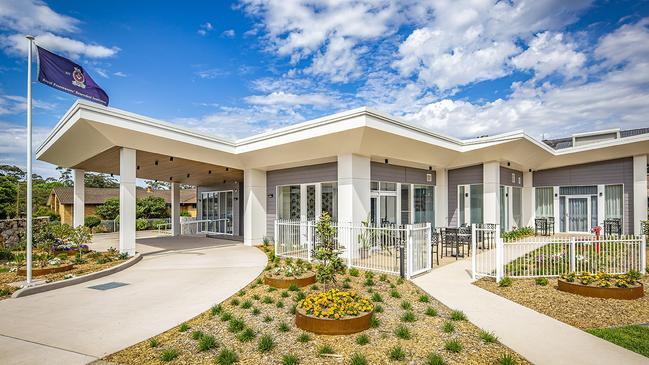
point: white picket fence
(363, 246)
(553, 256)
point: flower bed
(290, 273)
(602, 285)
(334, 312)
(36, 271)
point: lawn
(634, 338)
(257, 326)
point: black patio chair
(435, 243)
(451, 242)
(612, 226)
(541, 224)
(550, 225)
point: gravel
(427, 334)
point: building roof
(567, 142)
(100, 195)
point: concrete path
(537, 337)
(177, 279)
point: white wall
(254, 208)
(441, 197)
(639, 191)
(353, 188)
(491, 186)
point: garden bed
(257, 326)
(634, 292)
(575, 310)
(286, 282)
(39, 271)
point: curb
(31, 290)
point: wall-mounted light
(386, 160)
(430, 168)
(111, 175)
(171, 158)
(209, 172)
(530, 170)
(601, 194)
(556, 195)
(509, 164)
(171, 178)
(156, 162)
(466, 195)
(227, 169)
(188, 176)
(270, 196)
(138, 167)
(506, 195)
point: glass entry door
(578, 215)
(217, 211)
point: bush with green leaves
(453, 346)
(183, 327)
(283, 327)
(354, 272)
(424, 299)
(168, 355)
(505, 282)
(458, 315)
(290, 359)
(246, 304)
(397, 354)
(406, 305)
(153, 343)
(378, 308)
(236, 325)
(197, 335)
(541, 281)
(303, 337)
(325, 350)
(431, 312)
(363, 339)
(227, 357)
(408, 317)
(394, 293)
(448, 327)
(91, 221)
(403, 333)
(488, 337)
(265, 343)
(358, 359)
(206, 342)
(517, 234)
(246, 335)
(434, 359)
(326, 253)
(506, 359)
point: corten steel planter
(47, 270)
(326, 326)
(283, 283)
(597, 292)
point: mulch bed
(575, 310)
(427, 334)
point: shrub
(431, 312)
(225, 316)
(408, 316)
(255, 311)
(363, 339)
(448, 327)
(403, 333)
(505, 282)
(279, 304)
(358, 359)
(271, 289)
(354, 272)
(369, 282)
(267, 319)
(325, 350)
(246, 335)
(457, 315)
(506, 359)
(517, 234)
(453, 346)
(256, 297)
(235, 302)
(541, 281)
(243, 292)
(488, 337)
(406, 305)
(383, 277)
(292, 309)
(293, 287)
(153, 343)
(284, 294)
(376, 297)
(168, 355)
(290, 359)
(303, 338)
(315, 287)
(91, 221)
(197, 335)
(183, 327)
(394, 293)
(374, 322)
(265, 343)
(346, 286)
(206, 342)
(236, 325)
(378, 308)
(327, 254)
(283, 327)
(227, 357)
(396, 353)
(247, 304)
(434, 359)
(299, 296)
(424, 299)
(400, 281)
(141, 224)
(216, 309)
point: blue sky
(462, 68)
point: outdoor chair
(612, 226)
(464, 237)
(451, 242)
(543, 225)
(550, 225)
(435, 243)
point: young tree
(108, 210)
(326, 253)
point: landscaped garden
(385, 318)
(60, 253)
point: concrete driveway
(177, 279)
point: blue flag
(65, 75)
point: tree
(108, 210)
(65, 177)
(151, 207)
(8, 192)
(99, 180)
(157, 185)
(326, 253)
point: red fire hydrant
(597, 230)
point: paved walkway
(177, 279)
(537, 337)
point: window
(288, 202)
(475, 193)
(405, 204)
(544, 201)
(517, 206)
(329, 196)
(613, 196)
(424, 204)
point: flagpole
(29, 160)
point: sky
(463, 68)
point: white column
(353, 188)
(78, 212)
(254, 206)
(601, 204)
(441, 197)
(127, 168)
(558, 214)
(491, 188)
(639, 192)
(528, 200)
(175, 209)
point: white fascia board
(602, 144)
(596, 133)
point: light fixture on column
(227, 169)
(171, 158)
(156, 162)
(111, 175)
(530, 170)
(171, 178)
(188, 176)
(386, 160)
(430, 168)
(509, 164)
(138, 167)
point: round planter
(68, 252)
(283, 283)
(326, 326)
(47, 270)
(597, 292)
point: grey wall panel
(326, 172)
(400, 174)
(237, 204)
(506, 177)
(619, 171)
(465, 175)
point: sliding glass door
(470, 204)
(216, 209)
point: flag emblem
(78, 79)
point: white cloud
(101, 72)
(230, 33)
(120, 74)
(211, 73)
(548, 53)
(14, 104)
(13, 143)
(470, 41)
(17, 44)
(282, 98)
(27, 16)
(205, 28)
(628, 43)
